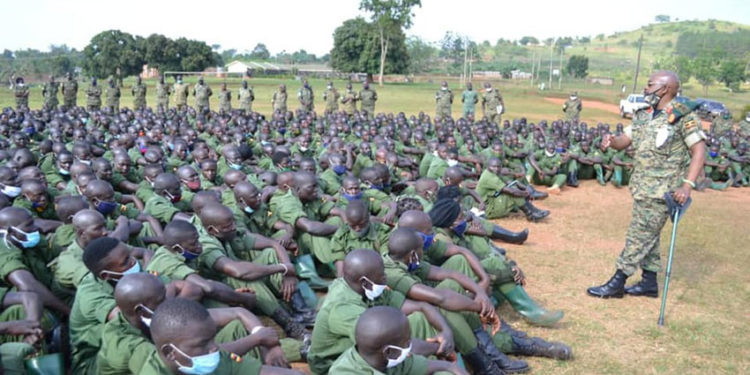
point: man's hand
(607, 140)
(681, 195)
(493, 321)
(24, 327)
(275, 357)
(486, 308)
(444, 341)
(518, 276)
(266, 336)
(288, 286)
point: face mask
(573, 97)
(713, 154)
(652, 99)
(412, 266)
(329, 87)
(11, 191)
(32, 239)
(106, 208)
(339, 169)
(173, 198)
(202, 364)
(88, 162)
(559, 150)
(31, 130)
(354, 197)
(146, 321)
(377, 187)
(186, 254)
(135, 269)
(363, 232)
(443, 88)
(377, 290)
(303, 149)
(427, 240)
(726, 117)
(63, 172)
(549, 154)
(452, 162)
(460, 229)
(38, 206)
(282, 131)
(248, 210)
(488, 89)
(193, 185)
(235, 166)
(401, 358)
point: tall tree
(390, 18)
(704, 70)
(260, 52)
(578, 66)
(356, 48)
(112, 53)
(731, 73)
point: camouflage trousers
(642, 240)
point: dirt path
(612, 108)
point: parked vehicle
(708, 109)
(631, 104)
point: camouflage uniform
(490, 101)
(722, 124)
(572, 109)
(349, 100)
(70, 93)
(331, 97)
(658, 169)
(279, 101)
(202, 92)
(21, 93)
(163, 90)
(113, 97)
(443, 100)
(306, 98)
(744, 127)
(93, 98)
(181, 91)
(225, 100)
(50, 95)
(139, 94)
(367, 98)
(246, 97)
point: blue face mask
(377, 187)
(135, 269)
(282, 131)
(32, 239)
(63, 172)
(235, 166)
(460, 229)
(427, 240)
(412, 266)
(559, 150)
(339, 169)
(354, 197)
(30, 130)
(106, 208)
(713, 154)
(248, 210)
(202, 364)
(186, 254)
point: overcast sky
(305, 24)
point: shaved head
(379, 327)
(363, 263)
(417, 220)
(215, 215)
(402, 241)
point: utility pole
(533, 65)
(559, 78)
(466, 51)
(637, 64)
(471, 61)
(551, 49)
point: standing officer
(306, 97)
(279, 99)
(572, 107)
(21, 92)
(139, 94)
(666, 137)
(70, 91)
(367, 98)
(163, 91)
(331, 97)
(181, 93)
(225, 99)
(202, 92)
(744, 126)
(349, 100)
(246, 97)
(50, 93)
(93, 96)
(443, 100)
(470, 100)
(113, 95)
(492, 104)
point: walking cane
(675, 211)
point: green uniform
(367, 98)
(572, 109)
(716, 173)
(493, 105)
(437, 168)
(547, 164)
(70, 93)
(225, 100)
(163, 90)
(345, 240)
(349, 100)
(21, 92)
(658, 169)
(443, 103)
(469, 98)
(139, 96)
(351, 363)
(93, 303)
(279, 101)
(498, 204)
(170, 265)
(306, 99)
(622, 173)
(63, 236)
(331, 97)
(93, 98)
(202, 94)
(124, 348)
(331, 182)
(113, 97)
(160, 208)
(288, 208)
(721, 125)
(50, 95)
(181, 93)
(229, 364)
(246, 97)
(68, 269)
(743, 127)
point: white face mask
(146, 321)
(21, 84)
(377, 289)
(452, 162)
(303, 149)
(401, 358)
(573, 97)
(549, 154)
(488, 89)
(11, 191)
(444, 88)
(747, 118)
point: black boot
(501, 360)
(507, 328)
(502, 234)
(533, 213)
(535, 194)
(304, 350)
(647, 287)
(481, 364)
(573, 179)
(614, 288)
(292, 328)
(538, 347)
(302, 313)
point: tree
(195, 56)
(161, 52)
(390, 18)
(562, 43)
(662, 18)
(260, 52)
(578, 66)
(421, 54)
(731, 73)
(704, 70)
(356, 48)
(112, 53)
(528, 40)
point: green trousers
(642, 239)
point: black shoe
(533, 213)
(292, 328)
(502, 234)
(535, 194)
(507, 328)
(572, 179)
(647, 287)
(300, 312)
(481, 364)
(537, 347)
(502, 361)
(614, 288)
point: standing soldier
(139, 94)
(722, 123)
(225, 99)
(470, 100)
(744, 126)
(202, 93)
(93, 96)
(349, 100)
(306, 97)
(162, 94)
(70, 91)
(572, 108)
(331, 97)
(367, 99)
(181, 92)
(492, 104)
(279, 99)
(50, 93)
(246, 97)
(443, 101)
(21, 92)
(113, 95)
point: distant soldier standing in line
(70, 92)
(279, 99)
(492, 104)
(163, 91)
(331, 97)
(93, 96)
(367, 98)
(349, 100)
(744, 126)
(50, 93)
(470, 100)
(225, 99)
(202, 92)
(181, 91)
(246, 97)
(21, 92)
(443, 101)
(572, 108)
(306, 96)
(722, 123)
(113, 95)
(139, 94)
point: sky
(286, 25)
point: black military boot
(507, 328)
(535, 194)
(480, 363)
(502, 361)
(533, 213)
(573, 179)
(292, 328)
(301, 313)
(647, 287)
(538, 347)
(502, 234)
(614, 288)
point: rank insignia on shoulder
(270, 213)
(235, 357)
(153, 273)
